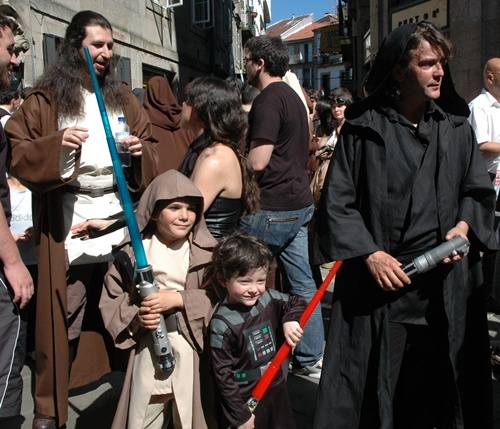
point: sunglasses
(339, 100)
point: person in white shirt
(9, 103)
(485, 116)
(485, 120)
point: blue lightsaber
(147, 284)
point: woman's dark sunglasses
(339, 100)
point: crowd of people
(240, 180)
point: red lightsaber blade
(267, 378)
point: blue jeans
(285, 233)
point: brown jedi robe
(36, 153)
(165, 115)
(119, 308)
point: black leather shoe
(43, 422)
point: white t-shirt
(485, 120)
(22, 219)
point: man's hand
(14, 269)
(134, 145)
(25, 236)
(20, 281)
(462, 229)
(81, 230)
(75, 136)
(387, 272)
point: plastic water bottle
(122, 130)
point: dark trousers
(12, 351)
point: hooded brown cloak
(118, 309)
(165, 114)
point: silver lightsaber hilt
(427, 261)
(163, 349)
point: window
(202, 11)
(50, 44)
(306, 78)
(123, 70)
(367, 46)
(168, 4)
(149, 71)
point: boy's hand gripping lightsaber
(147, 284)
(267, 378)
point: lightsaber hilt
(163, 349)
(433, 257)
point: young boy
(178, 247)
(244, 334)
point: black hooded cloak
(353, 220)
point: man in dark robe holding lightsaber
(406, 176)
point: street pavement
(93, 406)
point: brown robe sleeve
(145, 170)
(36, 145)
(118, 309)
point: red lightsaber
(267, 378)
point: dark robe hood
(388, 57)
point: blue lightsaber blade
(126, 201)
(147, 284)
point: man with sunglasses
(406, 176)
(279, 149)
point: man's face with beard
(8, 58)
(252, 70)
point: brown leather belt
(171, 323)
(93, 192)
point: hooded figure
(380, 81)
(398, 187)
(165, 114)
(177, 267)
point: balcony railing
(327, 59)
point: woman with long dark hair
(214, 162)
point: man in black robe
(406, 176)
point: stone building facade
(179, 39)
